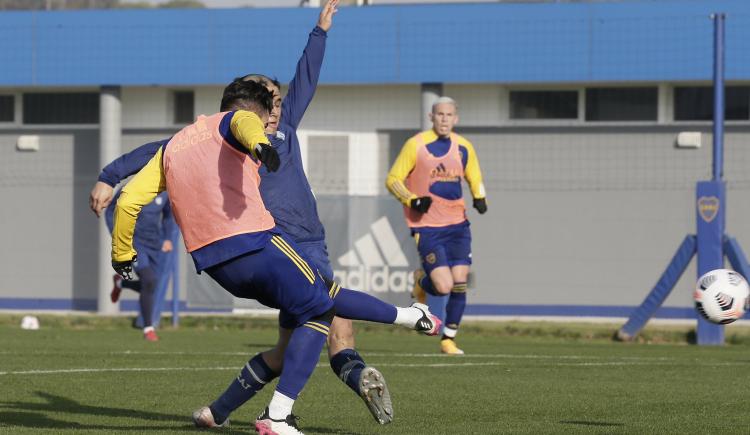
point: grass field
(90, 375)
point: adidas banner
(369, 245)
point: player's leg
(346, 363)
(259, 371)
(454, 310)
(278, 277)
(435, 277)
(459, 257)
(146, 299)
(350, 367)
(146, 270)
(357, 305)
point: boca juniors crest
(708, 207)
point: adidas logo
(377, 263)
(441, 173)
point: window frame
(21, 107)
(173, 98)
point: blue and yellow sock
(348, 365)
(454, 310)
(252, 378)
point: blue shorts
(317, 253)
(449, 246)
(277, 276)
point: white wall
(334, 108)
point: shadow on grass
(317, 429)
(32, 415)
(592, 423)
(37, 420)
(54, 403)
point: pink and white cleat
(265, 425)
(429, 324)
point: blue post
(661, 290)
(710, 219)
(718, 151)
(710, 195)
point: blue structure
(511, 43)
(710, 244)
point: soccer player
(426, 179)
(152, 239)
(288, 197)
(210, 169)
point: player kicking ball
(287, 195)
(210, 170)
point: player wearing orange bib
(210, 169)
(426, 179)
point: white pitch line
(400, 355)
(172, 369)
(433, 365)
(121, 369)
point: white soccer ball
(722, 296)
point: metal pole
(110, 137)
(718, 151)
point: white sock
(148, 329)
(408, 316)
(280, 406)
(449, 332)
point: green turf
(515, 378)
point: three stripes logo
(377, 263)
(441, 173)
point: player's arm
(305, 81)
(141, 190)
(249, 130)
(118, 170)
(473, 175)
(401, 169)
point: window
(544, 105)
(7, 103)
(184, 103)
(621, 104)
(59, 108)
(696, 103)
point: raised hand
(326, 14)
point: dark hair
(246, 95)
(264, 79)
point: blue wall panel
(16, 48)
(510, 43)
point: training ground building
(574, 110)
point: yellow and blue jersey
(286, 192)
(237, 129)
(448, 186)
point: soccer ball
(722, 296)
